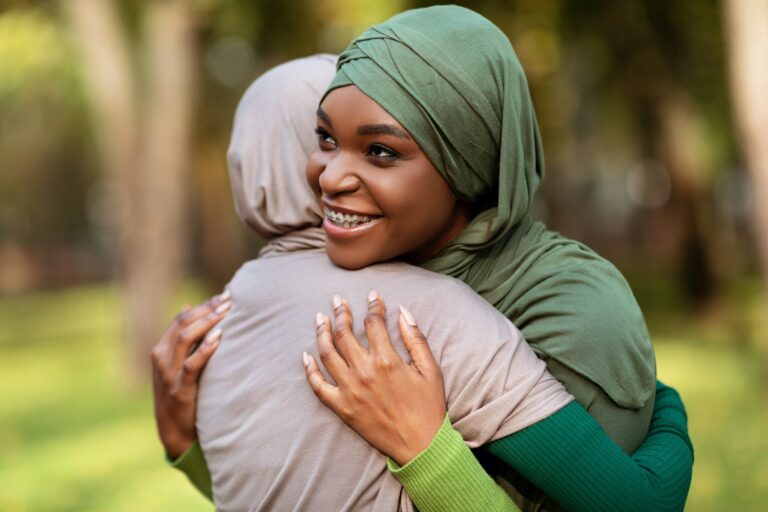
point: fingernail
(305, 358)
(319, 319)
(372, 296)
(223, 308)
(407, 316)
(336, 301)
(213, 337)
(225, 296)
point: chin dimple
(346, 220)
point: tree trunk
(746, 31)
(144, 156)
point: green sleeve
(571, 459)
(446, 477)
(192, 463)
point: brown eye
(382, 152)
(324, 139)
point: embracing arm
(573, 461)
(192, 463)
(568, 455)
(177, 360)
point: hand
(397, 407)
(177, 360)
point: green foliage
(42, 130)
(35, 59)
(74, 437)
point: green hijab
(452, 79)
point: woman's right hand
(177, 360)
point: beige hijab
(269, 149)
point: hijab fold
(452, 79)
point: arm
(192, 463)
(177, 360)
(567, 451)
(571, 458)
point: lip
(334, 231)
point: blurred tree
(652, 54)
(746, 29)
(142, 124)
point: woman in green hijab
(451, 80)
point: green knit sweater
(567, 455)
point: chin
(346, 259)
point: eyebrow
(322, 114)
(383, 129)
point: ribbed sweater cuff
(446, 477)
(192, 463)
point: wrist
(417, 442)
(176, 446)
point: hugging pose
(409, 338)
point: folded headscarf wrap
(452, 79)
(268, 152)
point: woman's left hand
(397, 407)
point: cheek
(419, 204)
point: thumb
(416, 345)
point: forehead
(350, 105)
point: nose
(338, 176)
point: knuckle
(189, 366)
(373, 318)
(325, 354)
(181, 337)
(155, 356)
(340, 334)
(345, 412)
(182, 317)
(365, 378)
(168, 381)
(385, 364)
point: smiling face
(382, 198)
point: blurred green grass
(75, 436)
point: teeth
(346, 220)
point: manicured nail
(407, 316)
(336, 301)
(225, 296)
(213, 337)
(319, 319)
(224, 308)
(305, 358)
(372, 296)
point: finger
(189, 315)
(326, 392)
(333, 362)
(195, 363)
(416, 345)
(190, 335)
(376, 329)
(345, 341)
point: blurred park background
(115, 209)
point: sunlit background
(115, 209)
